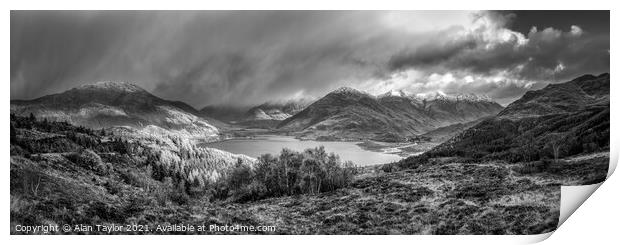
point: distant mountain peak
(347, 113)
(439, 95)
(473, 97)
(346, 90)
(114, 85)
(111, 104)
(394, 93)
(287, 102)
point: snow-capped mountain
(394, 93)
(436, 95)
(119, 86)
(347, 113)
(439, 95)
(109, 104)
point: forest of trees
(184, 168)
(62, 137)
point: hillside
(560, 120)
(110, 104)
(445, 133)
(349, 114)
(68, 174)
(578, 94)
(479, 182)
(74, 175)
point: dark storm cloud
(541, 53)
(595, 21)
(49, 47)
(248, 57)
(198, 57)
(432, 54)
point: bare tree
(35, 187)
(555, 142)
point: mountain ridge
(560, 120)
(561, 97)
(110, 104)
(349, 114)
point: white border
(594, 221)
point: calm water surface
(273, 144)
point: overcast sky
(248, 57)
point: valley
(348, 163)
(123, 184)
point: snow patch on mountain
(440, 95)
(394, 93)
(113, 85)
(348, 90)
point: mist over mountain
(277, 110)
(224, 113)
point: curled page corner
(613, 159)
(572, 197)
(531, 239)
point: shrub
(533, 167)
(169, 192)
(90, 160)
(412, 162)
(312, 171)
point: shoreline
(401, 149)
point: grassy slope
(444, 197)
